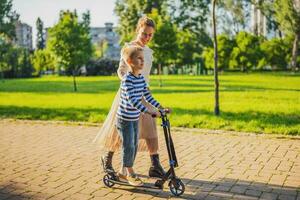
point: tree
(40, 39)
(288, 17)
(187, 52)
(234, 15)
(191, 17)
(8, 17)
(25, 68)
(164, 42)
(225, 46)
(246, 54)
(129, 12)
(86, 20)
(217, 107)
(267, 9)
(70, 42)
(5, 47)
(275, 53)
(42, 60)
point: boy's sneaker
(134, 180)
(122, 177)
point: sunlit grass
(262, 103)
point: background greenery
(262, 103)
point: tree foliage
(8, 17)
(69, 40)
(246, 54)
(42, 60)
(129, 12)
(288, 17)
(225, 46)
(164, 42)
(40, 39)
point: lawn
(261, 103)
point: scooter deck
(145, 185)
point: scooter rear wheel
(177, 187)
(107, 180)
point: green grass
(262, 103)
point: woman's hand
(153, 113)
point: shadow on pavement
(222, 189)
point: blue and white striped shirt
(133, 88)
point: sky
(48, 10)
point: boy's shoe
(134, 180)
(122, 177)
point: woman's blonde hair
(145, 21)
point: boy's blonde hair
(129, 51)
(145, 21)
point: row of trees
(246, 51)
(68, 46)
(13, 60)
(183, 34)
(182, 37)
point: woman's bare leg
(152, 145)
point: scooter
(176, 186)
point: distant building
(23, 35)
(107, 34)
(101, 35)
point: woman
(148, 137)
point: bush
(102, 66)
(275, 53)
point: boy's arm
(132, 100)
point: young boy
(133, 88)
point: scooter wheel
(107, 180)
(176, 187)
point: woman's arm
(122, 70)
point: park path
(57, 161)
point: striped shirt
(133, 88)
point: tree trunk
(217, 109)
(159, 73)
(74, 81)
(2, 76)
(295, 53)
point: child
(133, 88)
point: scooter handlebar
(162, 112)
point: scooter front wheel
(176, 187)
(107, 180)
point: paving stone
(48, 160)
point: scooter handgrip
(167, 111)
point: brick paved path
(52, 161)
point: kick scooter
(175, 184)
